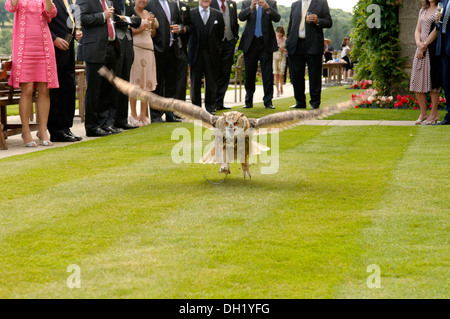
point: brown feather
(180, 108)
(285, 120)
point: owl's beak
(229, 133)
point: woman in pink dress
(33, 62)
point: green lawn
(140, 226)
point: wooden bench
(80, 77)
(238, 69)
(9, 96)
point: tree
(377, 47)
(5, 16)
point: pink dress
(33, 53)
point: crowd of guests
(151, 43)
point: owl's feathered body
(233, 131)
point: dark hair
(427, 4)
(280, 29)
(344, 40)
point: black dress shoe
(172, 119)
(219, 108)
(270, 106)
(125, 126)
(158, 120)
(76, 137)
(314, 107)
(297, 107)
(97, 132)
(443, 122)
(112, 129)
(62, 138)
(248, 107)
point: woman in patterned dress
(33, 62)
(143, 70)
(279, 60)
(426, 70)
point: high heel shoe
(419, 121)
(133, 121)
(43, 142)
(430, 122)
(29, 144)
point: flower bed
(364, 84)
(389, 102)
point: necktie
(69, 11)
(258, 31)
(304, 10)
(446, 17)
(122, 6)
(223, 6)
(205, 16)
(167, 11)
(111, 32)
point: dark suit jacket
(440, 50)
(185, 15)
(122, 26)
(162, 37)
(314, 33)
(215, 27)
(59, 29)
(268, 16)
(232, 7)
(93, 45)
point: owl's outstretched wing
(180, 108)
(286, 120)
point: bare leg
(422, 98)
(25, 106)
(275, 79)
(43, 108)
(434, 116)
(133, 114)
(143, 117)
(281, 80)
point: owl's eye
(226, 124)
(236, 123)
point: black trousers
(182, 70)
(62, 100)
(119, 116)
(99, 101)
(166, 75)
(226, 60)
(257, 52)
(446, 80)
(297, 64)
(204, 67)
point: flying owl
(233, 131)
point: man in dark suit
(227, 48)
(166, 50)
(98, 47)
(258, 44)
(183, 39)
(443, 50)
(305, 47)
(125, 60)
(203, 51)
(62, 100)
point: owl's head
(232, 123)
